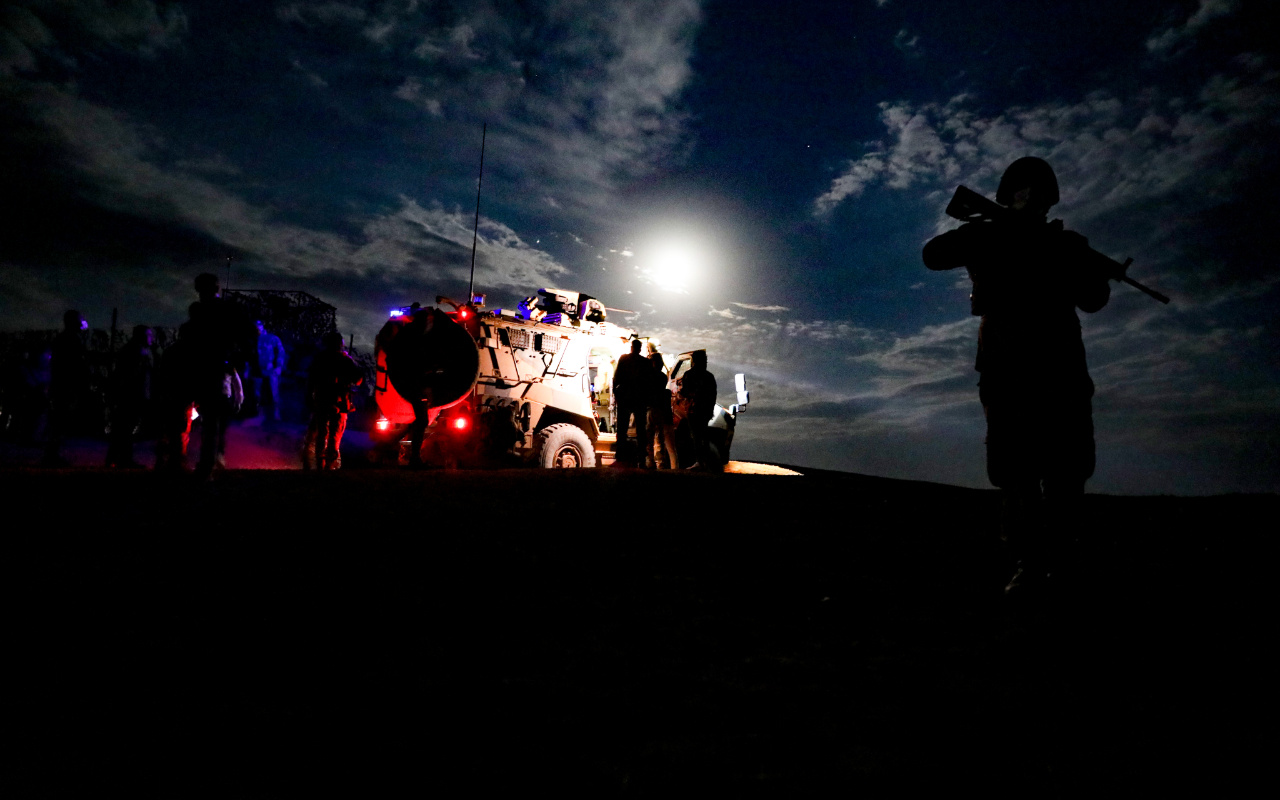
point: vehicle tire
(565, 446)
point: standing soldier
(1029, 277)
(68, 383)
(216, 379)
(130, 396)
(698, 391)
(661, 422)
(265, 371)
(632, 381)
(329, 383)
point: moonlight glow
(671, 267)
(676, 260)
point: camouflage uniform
(329, 383)
(1028, 280)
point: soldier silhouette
(697, 388)
(130, 396)
(329, 383)
(68, 386)
(216, 382)
(1029, 277)
(632, 382)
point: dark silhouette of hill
(278, 633)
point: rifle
(969, 206)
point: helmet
(1029, 171)
(206, 282)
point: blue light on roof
(396, 312)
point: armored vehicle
(462, 385)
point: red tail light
(460, 423)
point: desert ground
(380, 632)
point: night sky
(755, 178)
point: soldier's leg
(1070, 464)
(182, 444)
(333, 451)
(1012, 466)
(272, 385)
(175, 433)
(113, 439)
(309, 442)
(699, 417)
(417, 430)
(58, 420)
(213, 433)
(120, 446)
(253, 392)
(644, 453)
(324, 427)
(669, 443)
(626, 451)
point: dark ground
(377, 633)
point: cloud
(907, 42)
(118, 167)
(312, 78)
(753, 307)
(310, 14)
(1167, 41)
(1112, 154)
(139, 27)
(579, 98)
(412, 91)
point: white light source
(672, 265)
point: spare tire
(442, 363)
(565, 446)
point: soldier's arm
(957, 248)
(1091, 290)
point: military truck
(469, 386)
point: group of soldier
(217, 355)
(643, 399)
(1029, 278)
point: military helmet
(206, 282)
(1029, 171)
(331, 341)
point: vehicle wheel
(565, 446)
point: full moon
(672, 266)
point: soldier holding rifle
(1029, 277)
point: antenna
(471, 286)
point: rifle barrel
(1145, 289)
